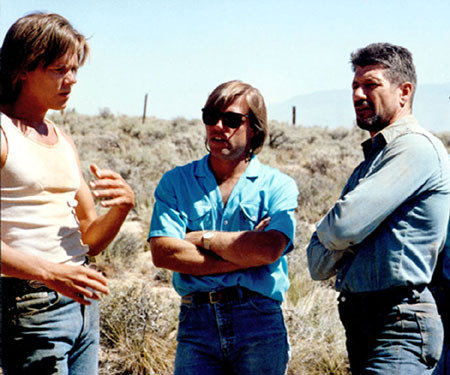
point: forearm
(99, 233)
(23, 266)
(184, 257)
(76, 282)
(402, 168)
(246, 248)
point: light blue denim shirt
(188, 199)
(390, 223)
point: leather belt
(235, 293)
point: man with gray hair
(382, 237)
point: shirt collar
(202, 169)
(401, 126)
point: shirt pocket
(200, 217)
(249, 215)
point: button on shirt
(189, 199)
(390, 223)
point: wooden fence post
(145, 108)
(293, 115)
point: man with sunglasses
(224, 224)
(382, 237)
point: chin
(372, 124)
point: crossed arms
(226, 251)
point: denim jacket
(390, 223)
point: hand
(76, 282)
(262, 225)
(113, 187)
(195, 237)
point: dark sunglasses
(232, 120)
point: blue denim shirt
(188, 199)
(446, 260)
(390, 223)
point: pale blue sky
(177, 51)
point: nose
(219, 124)
(358, 94)
(71, 77)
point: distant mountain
(334, 108)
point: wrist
(206, 239)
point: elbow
(337, 238)
(316, 275)
(157, 255)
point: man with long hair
(224, 225)
(50, 321)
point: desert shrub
(138, 328)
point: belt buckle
(214, 297)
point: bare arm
(3, 148)
(98, 231)
(69, 280)
(245, 249)
(182, 256)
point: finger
(96, 276)
(95, 170)
(96, 286)
(107, 183)
(118, 201)
(106, 173)
(262, 224)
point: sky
(178, 51)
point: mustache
(360, 103)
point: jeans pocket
(34, 303)
(184, 311)
(432, 337)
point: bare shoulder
(4, 147)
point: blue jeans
(393, 332)
(442, 296)
(245, 336)
(47, 333)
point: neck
(406, 111)
(22, 110)
(227, 169)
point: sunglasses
(231, 120)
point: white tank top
(38, 187)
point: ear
(406, 90)
(22, 76)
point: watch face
(206, 239)
(208, 235)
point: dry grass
(139, 317)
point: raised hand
(112, 188)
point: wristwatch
(206, 240)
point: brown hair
(38, 38)
(226, 93)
